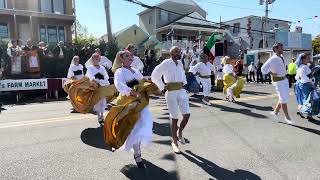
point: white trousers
(206, 85)
(282, 88)
(177, 100)
(100, 107)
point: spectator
(259, 73)
(245, 72)
(252, 70)
(59, 62)
(292, 71)
(14, 52)
(238, 68)
(43, 53)
(31, 59)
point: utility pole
(75, 22)
(108, 19)
(264, 36)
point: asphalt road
(225, 141)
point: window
(45, 6)
(58, 6)
(276, 25)
(4, 31)
(164, 16)
(179, 38)
(52, 34)
(61, 34)
(149, 20)
(236, 27)
(43, 33)
(52, 6)
(2, 3)
(135, 32)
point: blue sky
(123, 14)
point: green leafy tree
(316, 45)
(83, 37)
(111, 49)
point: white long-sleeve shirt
(275, 64)
(302, 74)
(204, 69)
(93, 70)
(122, 76)
(105, 62)
(252, 68)
(171, 73)
(137, 63)
(74, 68)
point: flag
(210, 45)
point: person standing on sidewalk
(176, 96)
(252, 70)
(276, 66)
(292, 71)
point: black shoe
(139, 164)
(310, 118)
(300, 114)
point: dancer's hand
(135, 94)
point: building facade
(40, 20)
(183, 28)
(246, 33)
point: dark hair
(305, 55)
(130, 47)
(276, 46)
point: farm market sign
(23, 84)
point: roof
(188, 20)
(252, 16)
(188, 2)
(124, 30)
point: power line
(212, 22)
(235, 7)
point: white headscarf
(72, 61)
(89, 61)
(299, 60)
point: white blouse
(122, 76)
(171, 73)
(92, 71)
(74, 68)
(104, 61)
(137, 63)
(275, 64)
(302, 74)
(204, 69)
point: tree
(111, 48)
(316, 45)
(83, 37)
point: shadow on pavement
(251, 106)
(161, 129)
(255, 93)
(247, 112)
(313, 131)
(152, 172)
(218, 172)
(94, 137)
(316, 122)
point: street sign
(23, 84)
